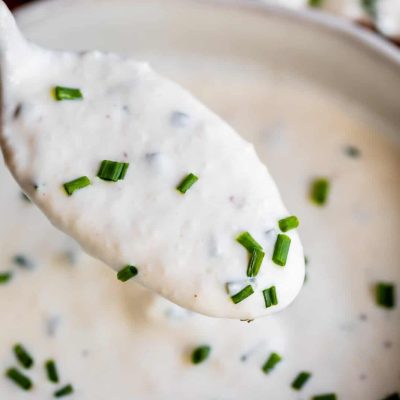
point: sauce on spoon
(146, 179)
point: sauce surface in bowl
(110, 341)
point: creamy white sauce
(112, 340)
(184, 246)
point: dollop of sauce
(190, 185)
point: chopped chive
(300, 380)
(23, 356)
(315, 3)
(112, 170)
(247, 241)
(187, 183)
(200, 354)
(52, 372)
(281, 250)
(328, 396)
(393, 396)
(288, 223)
(243, 294)
(127, 273)
(64, 93)
(5, 277)
(64, 391)
(76, 184)
(271, 362)
(320, 191)
(255, 262)
(270, 297)
(19, 378)
(385, 294)
(370, 7)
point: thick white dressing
(183, 245)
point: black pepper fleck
(352, 151)
(23, 262)
(17, 111)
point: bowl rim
(317, 19)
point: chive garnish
(370, 7)
(393, 396)
(76, 184)
(300, 380)
(243, 294)
(187, 182)
(19, 378)
(112, 170)
(281, 250)
(270, 297)
(288, 223)
(64, 391)
(255, 262)
(315, 3)
(64, 93)
(328, 396)
(385, 294)
(127, 273)
(51, 369)
(247, 241)
(5, 277)
(200, 354)
(320, 191)
(23, 356)
(271, 362)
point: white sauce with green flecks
(121, 341)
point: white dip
(119, 341)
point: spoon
(146, 179)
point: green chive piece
(76, 184)
(64, 391)
(200, 354)
(19, 378)
(187, 182)
(243, 294)
(5, 277)
(23, 356)
(319, 191)
(255, 262)
(300, 380)
(127, 273)
(288, 223)
(64, 93)
(315, 3)
(281, 250)
(271, 362)
(247, 241)
(52, 372)
(112, 170)
(270, 297)
(385, 295)
(370, 7)
(328, 396)
(393, 396)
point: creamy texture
(120, 341)
(183, 246)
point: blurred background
(382, 16)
